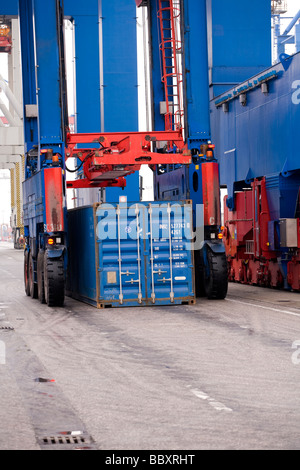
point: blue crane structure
(212, 45)
(106, 157)
(255, 127)
(46, 120)
(191, 61)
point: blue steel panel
(119, 87)
(180, 184)
(9, 8)
(48, 77)
(158, 94)
(239, 41)
(81, 278)
(41, 76)
(282, 194)
(119, 66)
(88, 118)
(196, 71)
(87, 63)
(75, 8)
(260, 138)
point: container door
(170, 273)
(121, 266)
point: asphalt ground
(218, 375)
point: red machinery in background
(254, 243)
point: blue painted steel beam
(119, 55)
(185, 183)
(9, 8)
(42, 82)
(49, 83)
(239, 34)
(87, 63)
(158, 95)
(44, 115)
(105, 39)
(196, 72)
(27, 37)
(119, 81)
(106, 72)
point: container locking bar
(171, 257)
(152, 256)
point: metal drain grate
(63, 440)
(11, 328)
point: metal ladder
(171, 49)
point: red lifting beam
(110, 157)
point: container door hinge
(171, 257)
(137, 210)
(120, 257)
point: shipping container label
(158, 222)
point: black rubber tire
(216, 276)
(40, 277)
(26, 273)
(54, 282)
(32, 284)
(200, 290)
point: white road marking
(217, 405)
(264, 307)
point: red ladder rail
(171, 47)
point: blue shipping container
(131, 254)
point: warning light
(123, 199)
(51, 241)
(55, 159)
(220, 236)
